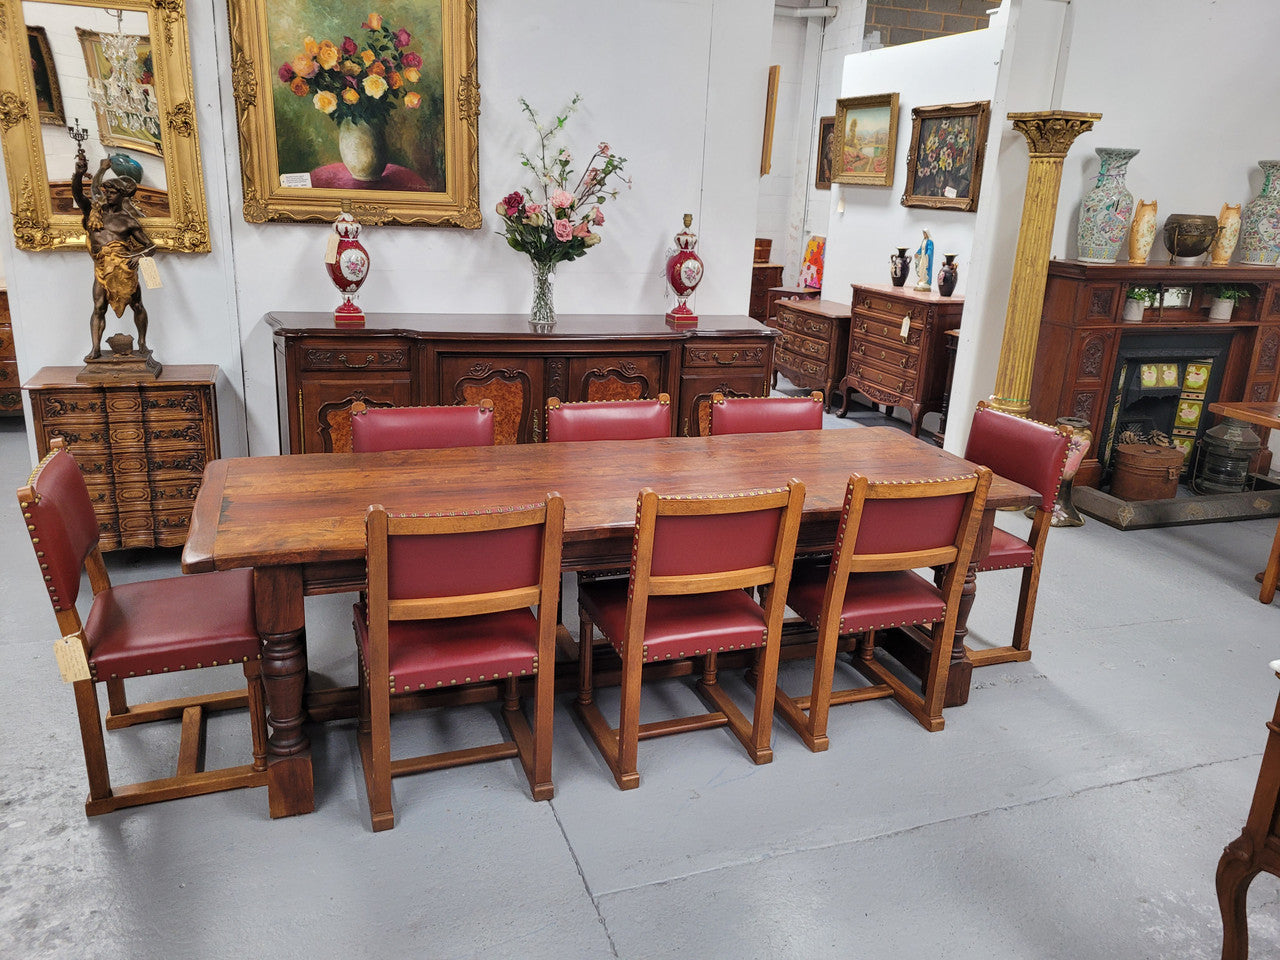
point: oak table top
(1261, 414)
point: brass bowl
(1189, 234)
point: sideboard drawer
(724, 355)
(371, 354)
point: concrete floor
(1075, 808)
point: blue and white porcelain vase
(1106, 209)
(1260, 225)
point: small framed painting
(826, 151)
(866, 130)
(45, 77)
(944, 167)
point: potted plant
(1136, 301)
(1222, 299)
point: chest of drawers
(10, 396)
(142, 446)
(896, 354)
(763, 276)
(813, 342)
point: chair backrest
(420, 428)
(64, 531)
(429, 566)
(704, 544)
(765, 414)
(1024, 451)
(609, 419)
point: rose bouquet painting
(357, 84)
(559, 217)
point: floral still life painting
(376, 106)
(944, 168)
(558, 218)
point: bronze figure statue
(116, 242)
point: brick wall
(906, 21)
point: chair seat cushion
(678, 626)
(424, 654)
(178, 623)
(872, 601)
(1007, 552)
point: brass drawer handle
(724, 363)
(369, 358)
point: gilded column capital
(1050, 133)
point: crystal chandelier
(127, 102)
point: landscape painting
(866, 130)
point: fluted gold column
(1049, 134)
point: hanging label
(150, 273)
(906, 326)
(331, 251)
(840, 203)
(72, 662)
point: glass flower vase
(542, 312)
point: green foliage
(1227, 291)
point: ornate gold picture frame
(43, 219)
(944, 167)
(378, 110)
(866, 140)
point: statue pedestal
(122, 363)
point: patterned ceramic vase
(684, 273)
(1228, 235)
(1260, 225)
(348, 269)
(1105, 210)
(899, 267)
(1143, 232)
(948, 275)
(1081, 438)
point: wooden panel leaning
(138, 629)
(449, 603)
(693, 560)
(887, 531)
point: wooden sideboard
(1081, 334)
(897, 356)
(142, 446)
(812, 343)
(10, 395)
(400, 360)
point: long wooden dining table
(298, 522)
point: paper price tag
(949, 193)
(72, 662)
(906, 327)
(150, 273)
(295, 180)
(331, 251)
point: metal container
(1222, 464)
(1145, 471)
(1189, 235)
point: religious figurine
(924, 264)
(117, 243)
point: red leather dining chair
(887, 531)
(609, 419)
(692, 562)
(765, 414)
(420, 428)
(140, 629)
(1033, 454)
(449, 604)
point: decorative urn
(684, 273)
(348, 264)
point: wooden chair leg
(257, 713)
(544, 703)
(378, 774)
(586, 644)
(762, 720)
(824, 672)
(95, 749)
(627, 773)
(117, 703)
(1026, 606)
(935, 680)
(1272, 573)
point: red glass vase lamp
(348, 264)
(684, 273)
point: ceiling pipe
(804, 12)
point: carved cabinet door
(515, 384)
(638, 376)
(325, 408)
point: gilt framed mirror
(124, 76)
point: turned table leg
(278, 600)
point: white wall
(791, 122)
(862, 236)
(671, 100)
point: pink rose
(597, 217)
(349, 47)
(411, 59)
(582, 230)
(603, 150)
(562, 200)
(401, 39)
(285, 73)
(533, 209)
(564, 230)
